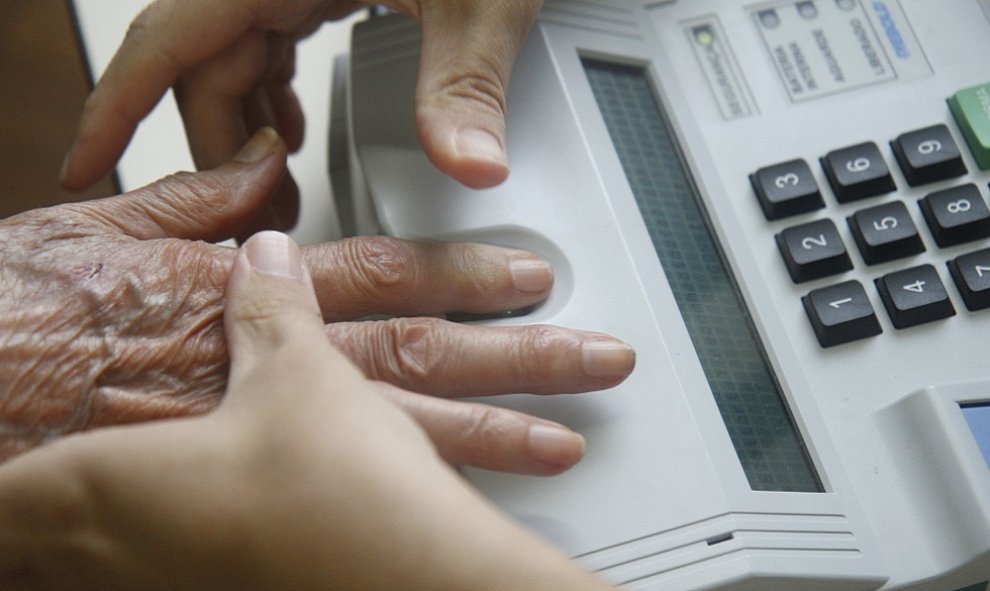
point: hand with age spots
(231, 63)
(112, 314)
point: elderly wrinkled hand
(302, 478)
(112, 314)
(231, 63)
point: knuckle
(481, 86)
(538, 346)
(143, 30)
(264, 316)
(140, 25)
(381, 263)
(485, 430)
(207, 268)
(478, 271)
(259, 309)
(539, 337)
(193, 194)
(200, 183)
(412, 350)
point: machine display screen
(978, 417)
(762, 430)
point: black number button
(956, 215)
(813, 250)
(971, 272)
(885, 232)
(841, 313)
(928, 155)
(786, 189)
(914, 296)
(857, 172)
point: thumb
(271, 318)
(209, 205)
(466, 57)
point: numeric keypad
(884, 232)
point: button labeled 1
(841, 313)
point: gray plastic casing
(660, 501)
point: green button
(971, 108)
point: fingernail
(531, 275)
(479, 144)
(274, 253)
(607, 359)
(555, 445)
(260, 145)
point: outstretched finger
(467, 53)
(482, 436)
(442, 358)
(369, 275)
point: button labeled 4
(914, 296)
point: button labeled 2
(813, 250)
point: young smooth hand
(231, 64)
(303, 478)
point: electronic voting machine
(783, 206)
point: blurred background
(43, 84)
